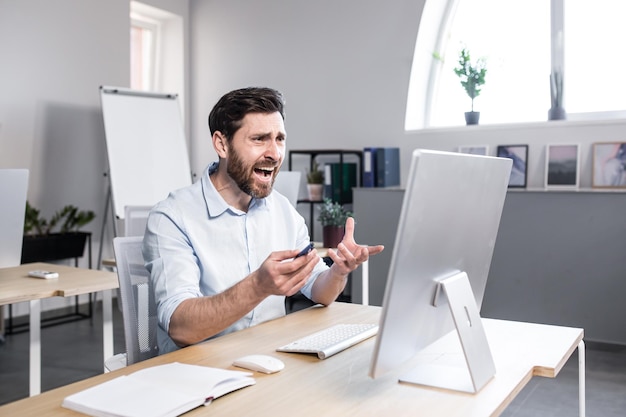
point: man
(221, 252)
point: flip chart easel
(146, 148)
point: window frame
(154, 27)
(435, 23)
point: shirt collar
(216, 205)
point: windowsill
(580, 190)
(568, 190)
(525, 125)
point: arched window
(523, 42)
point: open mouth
(264, 173)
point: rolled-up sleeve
(172, 264)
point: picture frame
(562, 166)
(474, 149)
(609, 165)
(519, 155)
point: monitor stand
(478, 367)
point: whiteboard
(146, 146)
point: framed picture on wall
(519, 155)
(609, 165)
(474, 149)
(562, 166)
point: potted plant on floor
(315, 183)
(472, 77)
(333, 218)
(55, 238)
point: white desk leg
(581, 378)
(365, 282)
(107, 325)
(35, 348)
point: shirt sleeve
(172, 263)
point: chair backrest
(138, 305)
(288, 184)
(13, 190)
(135, 219)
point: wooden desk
(16, 286)
(339, 385)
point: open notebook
(159, 391)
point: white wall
(54, 55)
(343, 66)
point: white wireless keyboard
(331, 340)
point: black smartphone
(306, 250)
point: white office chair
(135, 219)
(138, 305)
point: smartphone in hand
(306, 250)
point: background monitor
(13, 191)
(448, 225)
(288, 184)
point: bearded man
(222, 252)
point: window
(143, 63)
(594, 60)
(522, 41)
(157, 50)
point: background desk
(16, 286)
(339, 385)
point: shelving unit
(312, 155)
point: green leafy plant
(68, 219)
(315, 176)
(472, 75)
(333, 213)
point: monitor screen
(13, 191)
(448, 224)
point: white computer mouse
(260, 363)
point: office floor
(65, 361)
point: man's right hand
(284, 274)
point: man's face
(256, 153)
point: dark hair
(230, 110)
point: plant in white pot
(315, 183)
(333, 218)
(472, 77)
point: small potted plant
(55, 238)
(472, 77)
(556, 112)
(333, 218)
(315, 183)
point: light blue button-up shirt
(197, 245)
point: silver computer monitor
(448, 225)
(13, 190)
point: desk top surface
(340, 385)
(16, 286)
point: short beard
(242, 175)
